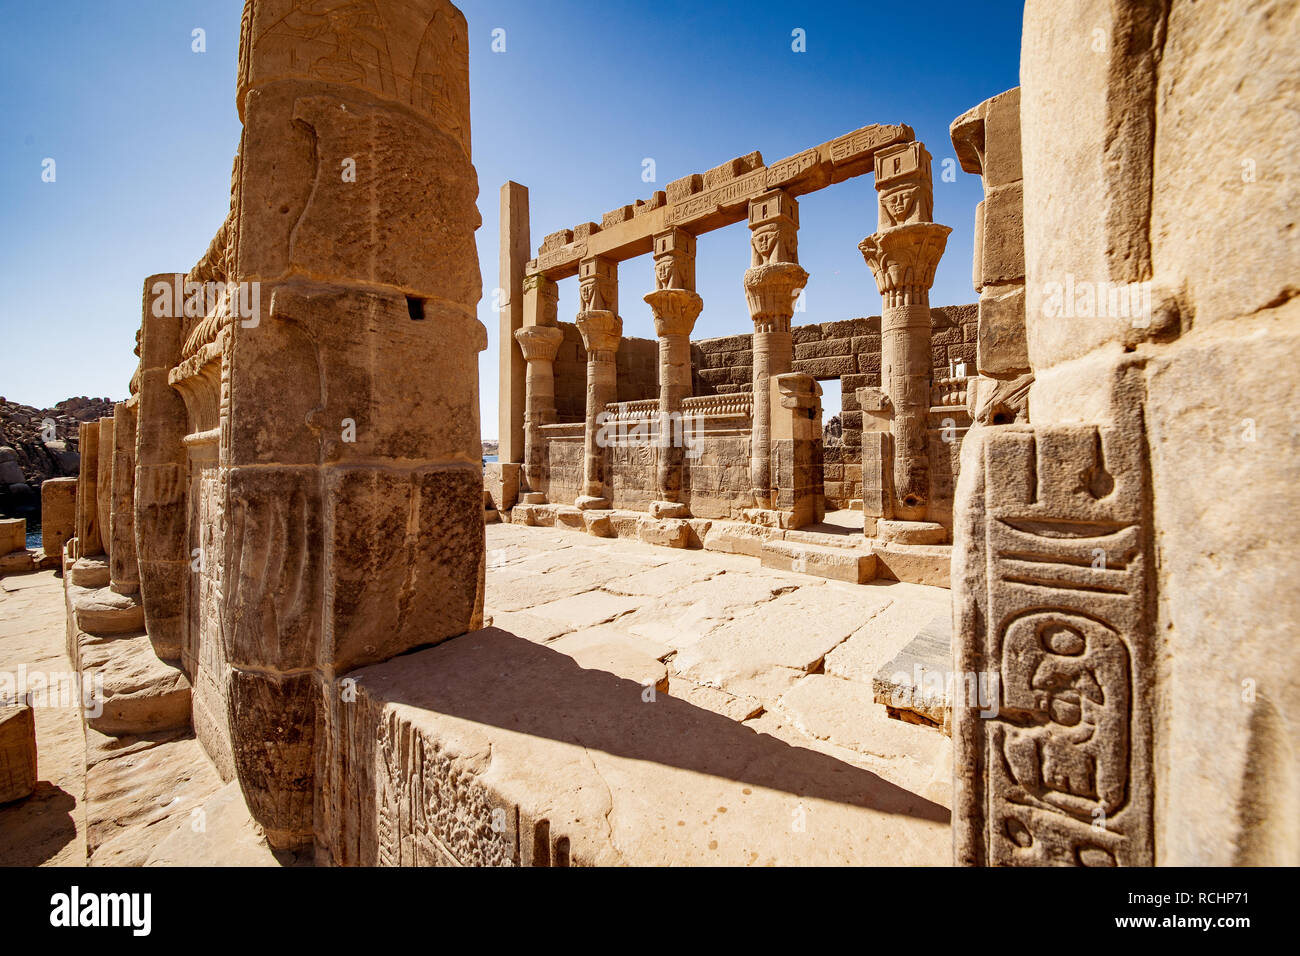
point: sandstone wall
(637, 361)
(1157, 139)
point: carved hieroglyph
(1051, 594)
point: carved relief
(1066, 627)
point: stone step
(914, 563)
(134, 692)
(917, 685)
(836, 564)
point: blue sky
(142, 131)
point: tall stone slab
(58, 514)
(124, 570)
(512, 389)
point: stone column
(512, 388)
(104, 486)
(797, 449)
(161, 545)
(602, 330)
(351, 527)
(676, 306)
(88, 534)
(539, 345)
(772, 283)
(124, 571)
(903, 255)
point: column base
(591, 503)
(669, 509)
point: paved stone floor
(49, 827)
(785, 655)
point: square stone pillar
(515, 246)
(797, 448)
(58, 515)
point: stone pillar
(538, 344)
(602, 330)
(903, 255)
(515, 245)
(351, 526)
(104, 486)
(772, 283)
(58, 515)
(797, 448)
(162, 554)
(987, 142)
(676, 306)
(88, 533)
(124, 571)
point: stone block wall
(637, 361)
(847, 350)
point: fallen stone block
(567, 516)
(666, 532)
(735, 538)
(917, 685)
(668, 509)
(17, 562)
(13, 535)
(837, 564)
(598, 524)
(17, 752)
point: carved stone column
(539, 345)
(903, 255)
(676, 306)
(602, 330)
(772, 283)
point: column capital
(541, 285)
(602, 330)
(674, 256)
(675, 311)
(903, 259)
(774, 224)
(539, 342)
(770, 292)
(904, 185)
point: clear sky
(142, 131)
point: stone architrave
(538, 344)
(903, 256)
(1052, 731)
(675, 305)
(602, 330)
(772, 284)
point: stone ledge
(837, 564)
(916, 686)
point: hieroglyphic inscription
(1066, 625)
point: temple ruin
(1074, 495)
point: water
(489, 458)
(34, 540)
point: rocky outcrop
(41, 443)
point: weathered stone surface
(665, 532)
(88, 573)
(103, 611)
(919, 683)
(837, 564)
(58, 513)
(13, 535)
(139, 694)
